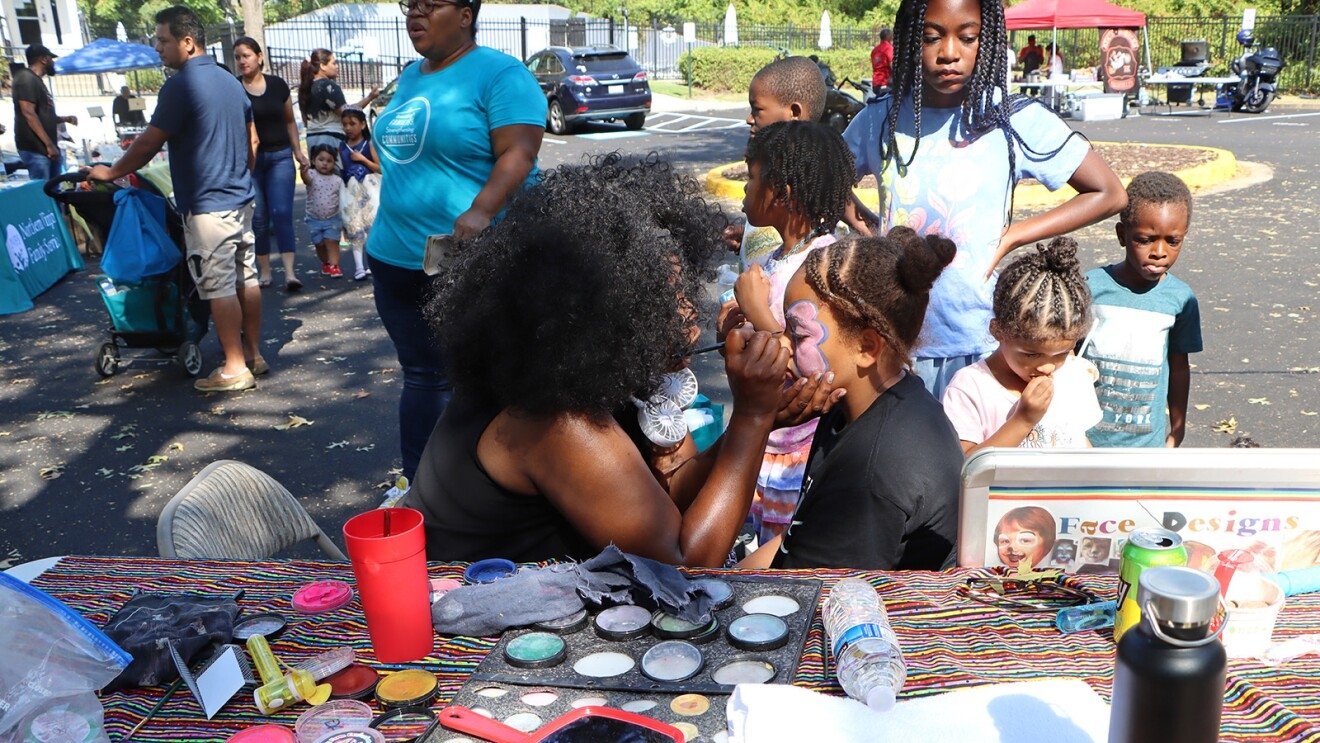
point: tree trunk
(254, 23)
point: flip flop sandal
(263, 283)
(293, 285)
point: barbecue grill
(1193, 63)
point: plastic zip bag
(52, 661)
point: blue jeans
(273, 181)
(40, 167)
(401, 294)
(320, 230)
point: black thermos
(1169, 681)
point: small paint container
(357, 681)
(711, 632)
(485, 571)
(744, 671)
(622, 623)
(604, 665)
(779, 606)
(411, 688)
(264, 734)
(441, 586)
(758, 632)
(323, 719)
(669, 627)
(719, 591)
(268, 624)
(322, 596)
(672, 661)
(356, 735)
(690, 705)
(574, 622)
(405, 724)
(535, 650)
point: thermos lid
(1181, 597)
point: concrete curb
(1222, 167)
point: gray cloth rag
(543, 594)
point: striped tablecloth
(948, 642)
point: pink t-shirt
(978, 406)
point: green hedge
(730, 69)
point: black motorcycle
(1257, 72)
(840, 107)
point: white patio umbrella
(731, 26)
(120, 33)
(826, 37)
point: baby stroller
(161, 312)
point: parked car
(591, 83)
(377, 107)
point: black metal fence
(371, 52)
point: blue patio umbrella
(108, 55)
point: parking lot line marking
(613, 135)
(1267, 118)
(552, 140)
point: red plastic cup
(387, 547)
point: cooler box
(1100, 107)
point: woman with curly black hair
(565, 325)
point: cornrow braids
(1043, 296)
(882, 283)
(987, 103)
(1155, 187)
(812, 161)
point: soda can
(1145, 548)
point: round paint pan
(672, 660)
(574, 622)
(411, 688)
(758, 632)
(485, 571)
(604, 665)
(621, 623)
(780, 606)
(264, 734)
(745, 671)
(536, 650)
(357, 681)
(323, 719)
(711, 632)
(268, 624)
(405, 724)
(669, 627)
(719, 591)
(322, 596)
(356, 735)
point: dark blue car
(591, 83)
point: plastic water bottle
(867, 658)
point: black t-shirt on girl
(325, 99)
(268, 115)
(880, 493)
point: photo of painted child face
(1095, 549)
(1016, 543)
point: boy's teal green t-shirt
(435, 149)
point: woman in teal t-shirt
(459, 137)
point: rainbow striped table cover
(948, 641)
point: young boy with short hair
(785, 90)
(1146, 321)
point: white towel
(1058, 711)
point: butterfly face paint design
(808, 334)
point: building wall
(55, 23)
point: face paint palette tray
(678, 662)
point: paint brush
(706, 349)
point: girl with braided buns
(1032, 392)
(947, 148)
(798, 175)
(881, 486)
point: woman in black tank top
(556, 321)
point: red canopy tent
(1057, 14)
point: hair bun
(922, 259)
(1060, 255)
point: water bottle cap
(880, 699)
(1182, 597)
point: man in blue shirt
(205, 115)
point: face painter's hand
(807, 398)
(755, 363)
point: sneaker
(335, 273)
(396, 493)
(258, 366)
(221, 382)
(361, 275)
(325, 269)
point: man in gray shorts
(205, 115)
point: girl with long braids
(1032, 392)
(881, 486)
(948, 146)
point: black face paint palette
(645, 661)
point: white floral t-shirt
(978, 406)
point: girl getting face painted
(807, 333)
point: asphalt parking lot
(86, 464)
